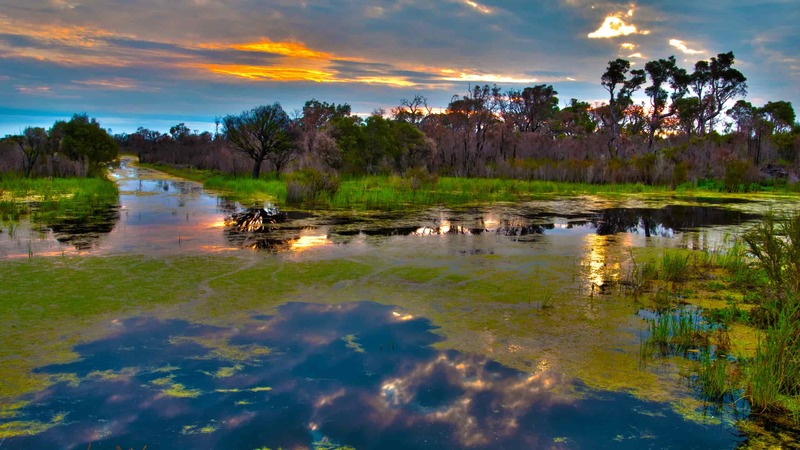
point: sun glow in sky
(162, 62)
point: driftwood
(255, 219)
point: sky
(157, 63)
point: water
(360, 374)
(495, 327)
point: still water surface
(527, 336)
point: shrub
(308, 184)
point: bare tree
(412, 111)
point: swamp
(147, 317)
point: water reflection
(359, 374)
(160, 214)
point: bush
(308, 184)
(419, 177)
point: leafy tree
(316, 117)
(83, 139)
(473, 115)
(348, 153)
(179, 132)
(621, 83)
(264, 132)
(714, 83)
(573, 119)
(410, 146)
(780, 114)
(530, 110)
(663, 72)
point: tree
(83, 139)
(412, 111)
(179, 132)
(473, 114)
(714, 83)
(621, 83)
(661, 72)
(316, 117)
(529, 110)
(348, 153)
(573, 120)
(33, 143)
(780, 114)
(264, 132)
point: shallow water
(502, 326)
(357, 375)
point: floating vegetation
(350, 342)
(197, 429)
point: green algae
(220, 349)
(529, 311)
(178, 390)
(27, 428)
(198, 429)
(350, 342)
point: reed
(713, 377)
(674, 266)
(674, 331)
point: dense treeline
(693, 125)
(78, 147)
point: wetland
(160, 323)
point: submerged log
(255, 219)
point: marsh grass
(774, 374)
(675, 331)
(639, 275)
(713, 377)
(44, 199)
(392, 192)
(674, 266)
(764, 265)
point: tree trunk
(257, 167)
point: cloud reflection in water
(358, 374)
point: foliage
(263, 133)
(84, 139)
(308, 184)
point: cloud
(285, 48)
(35, 90)
(474, 77)
(612, 27)
(109, 84)
(478, 7)
(680, 45)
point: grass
(764, 265)
(674, 266)
(386, 193)
(46, 198)
(713, 377)
(674, 331)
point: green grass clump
(674, 330)
(674, 266)
(713, 376)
